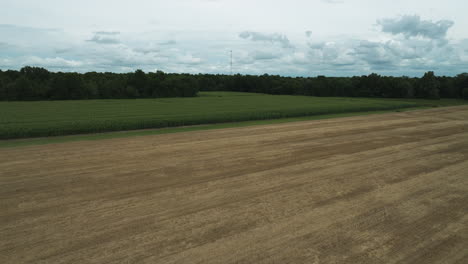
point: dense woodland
(33, 83)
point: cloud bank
(272, 38)
(105, 37)
(413, 26)
(404, 45)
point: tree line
(372, 85)
(34, 83)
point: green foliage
(465, 93)
(429, 86)
(373, 85)
(53, 118)
(32, 83)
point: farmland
(54, 118)
(389, 188)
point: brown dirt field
(389, 188)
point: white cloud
(189, 59)
(413, 26)
(264, 55)
(53, 63)
(264, 37)
(105, 37)
(197, 35)
(333, 1)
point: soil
(390, 188)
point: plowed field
(390, 188)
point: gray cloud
(108, 33)
(375, 54)
(189, 59)
(194, 53)
(62, 50)
(333, 1)
(147, 50)
(16, 29)
(169, 42)
(263, 55)
(272, 38)
(317, 45)
(308, 33)
(413, 26)
(408, 55)
(53, 63)
(105, 37)
(17, 36)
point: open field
(53, 118)
(390, 188)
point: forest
(35, 83)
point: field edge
(11, 143)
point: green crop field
(54, 118)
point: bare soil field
(389, 188)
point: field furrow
(390, 188)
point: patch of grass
(58, 118)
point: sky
(290, 38)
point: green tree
(429, 86)
(465, 93)
(138, 80)
(3, 90)
(461, 82)
(67, 86)
(35, 73)
(24, 89)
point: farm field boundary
(61, 118)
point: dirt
(390, 188)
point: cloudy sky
(294, 38)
